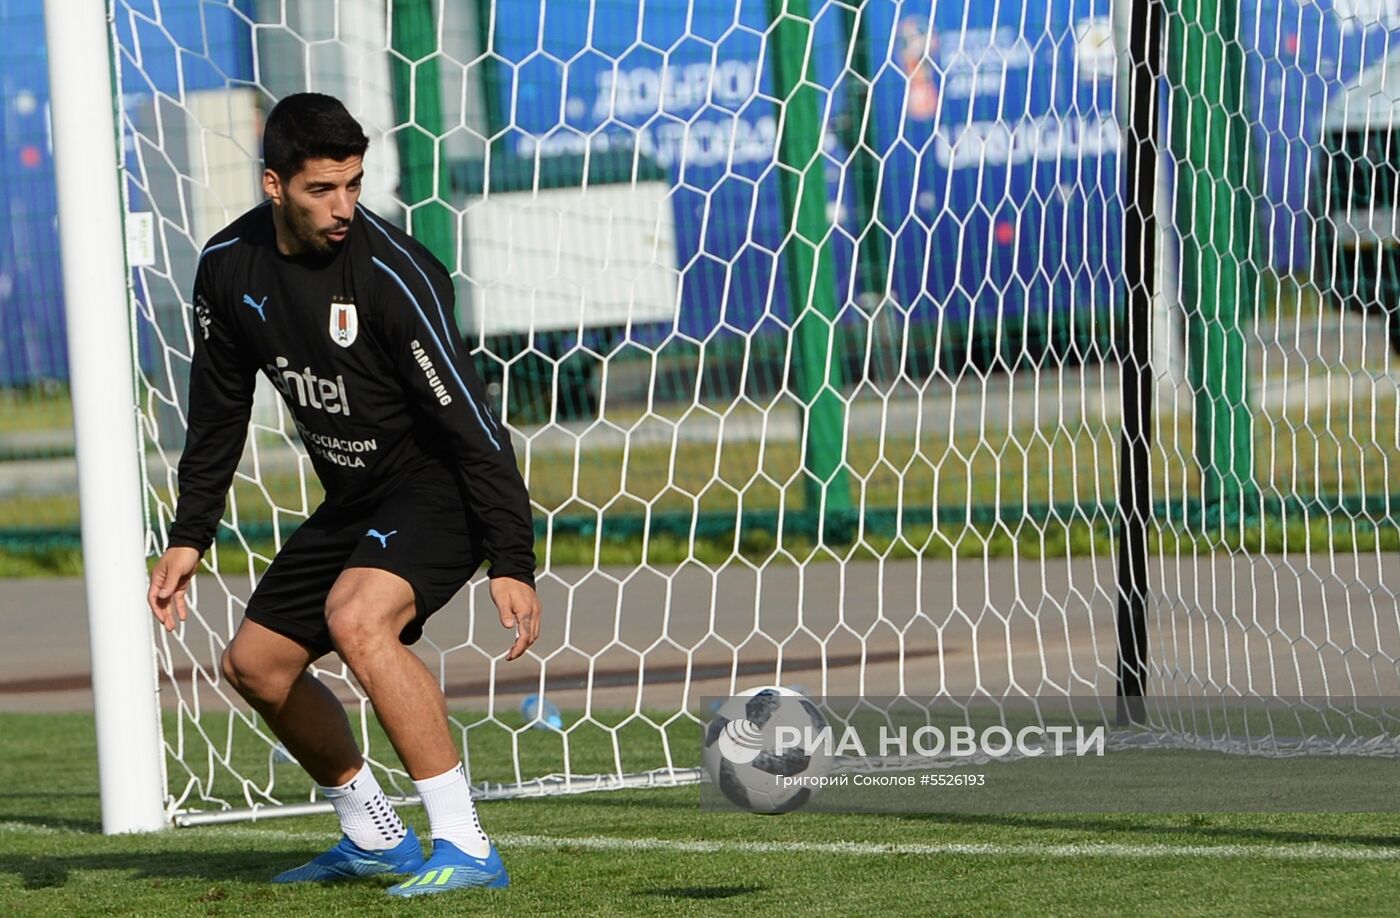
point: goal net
(809, 321)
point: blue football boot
(348, 860)
(452, 868)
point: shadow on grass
(232, 864)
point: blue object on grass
(546, 718)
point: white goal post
(130, 765)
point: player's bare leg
(366, 610)
(269, 670)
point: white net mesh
(808, 339)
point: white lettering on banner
(1001, 47)
(998, 143)
(969, 83)
(716, 143)
(706, 142)
(674, 90)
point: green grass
(1351, 449)
(47, 561)
(1319, 534)
(33, 409)
(235, 753)
(54, 861)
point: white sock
(451, 812)
(366, 817)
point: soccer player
(352, 321)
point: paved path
(1224, 624)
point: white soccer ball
(742, 757)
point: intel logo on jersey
(308, 389)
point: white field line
(1113, 850)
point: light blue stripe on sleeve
(446, 330)
(442, 315)
(446, 358)
(215, 248)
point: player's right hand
(169, 580)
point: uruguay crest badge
(345, 324)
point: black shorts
(421, 531)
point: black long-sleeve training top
(362, 346)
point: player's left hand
(520, 609)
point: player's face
(317, 205)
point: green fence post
(1219, 276)
(424, 186)
(811, 278)
(872, 240)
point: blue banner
(33, 348)
(164, 49)
(1300, 57)
(994, 130)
